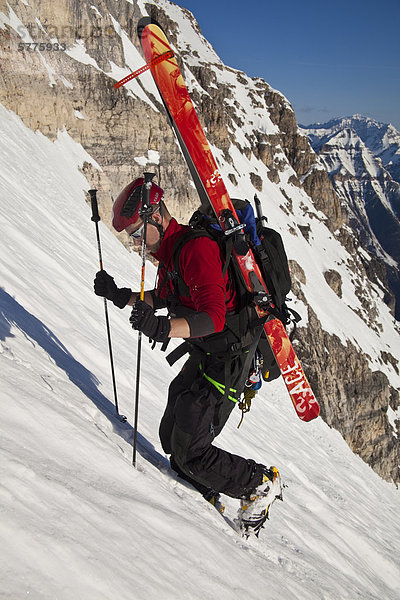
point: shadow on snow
(14, 314)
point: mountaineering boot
(254, 507)
(215, 499)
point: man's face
(152, 235)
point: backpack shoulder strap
(180, 286)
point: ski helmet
(127, 206)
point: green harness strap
(220, 387)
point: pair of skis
(167, 76)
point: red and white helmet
(127, 206)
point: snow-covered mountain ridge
(362, 158)
(382, 139)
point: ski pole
(144, 212)
(96, 218)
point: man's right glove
(104, 285)
(143, 319)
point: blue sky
(330, 59)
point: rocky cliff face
(52, 90)
(349, 342)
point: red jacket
(201, 269)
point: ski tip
(144, 22)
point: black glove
(143, 319)
(104, 285)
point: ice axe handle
(260, 216)
(95, 207)
(258, 206)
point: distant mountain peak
(382, 139)
(350, 120)
(362, 157)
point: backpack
(269, 252)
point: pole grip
(145, 208)
(95, 207)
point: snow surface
(78, 521)
(133, 61)
(79, 53)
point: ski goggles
(136, 235)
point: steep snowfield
(78, 521)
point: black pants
(195, 414)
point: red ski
(211, 189)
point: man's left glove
(104, 285)
(143, 319)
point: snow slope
(78, 521)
